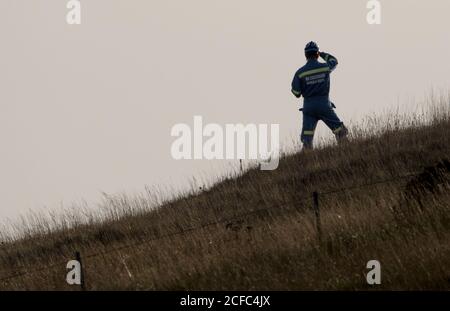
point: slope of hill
(382, 197)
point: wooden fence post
(78, 258)
(317, 214)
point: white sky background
(89, 108)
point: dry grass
(408, 231)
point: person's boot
(341, 134)
(307, 145)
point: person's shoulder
(302, 69)
(320, 64)
(323, 65)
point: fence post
(78, 258)
(317, 214)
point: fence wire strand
(19, 274)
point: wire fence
(313, 200)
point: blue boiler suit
(312, 81)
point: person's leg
(309, 126)
(331, 119)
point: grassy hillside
(404, 222)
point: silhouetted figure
(312, 81)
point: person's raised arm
(330, 59)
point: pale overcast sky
(89, 108)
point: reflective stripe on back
(314, 71)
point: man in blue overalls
(312, 81)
